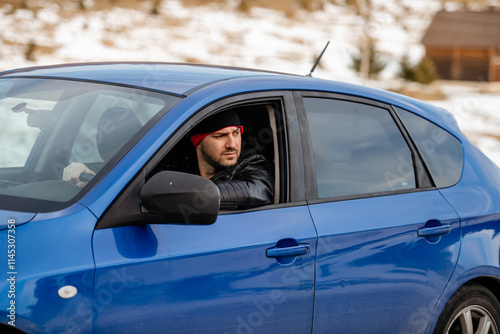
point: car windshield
(48, 124)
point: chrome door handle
(434, 231)
(300, 249)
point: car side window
(441, 151)
(358, 149)
(261, 122)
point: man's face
(221, 148)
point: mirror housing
(181, 198)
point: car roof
(175, 78)
(184, 79)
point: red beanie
(197, 139)
(213, 124)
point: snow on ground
(263, 38)
(478, 116)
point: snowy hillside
(218, 34)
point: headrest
(116, 126)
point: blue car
(384, 217)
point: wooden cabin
(465, 45)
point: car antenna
(318, 59)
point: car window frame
(422, 176)
(126, 205)
(286, 142)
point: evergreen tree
(407, 71)
(424, 72)
(376, 62)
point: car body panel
(373, 265)
(20, 218)
(478, 209)
(52, 251)
(184, 277)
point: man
(244, 181)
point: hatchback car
(385, 216)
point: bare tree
(365, 11)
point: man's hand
(73, 171)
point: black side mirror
(181, 198)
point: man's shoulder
(251, 164)
(253, 159)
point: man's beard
(220, 163)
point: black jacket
(247, 184)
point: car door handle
(288, 251)
(434, 231)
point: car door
(250, 271)
(388, 241)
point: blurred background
(446, 52)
